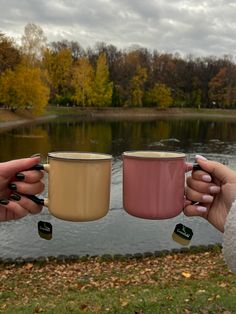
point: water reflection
(115, 136)
(117, 232)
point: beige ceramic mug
(153, 184)
(78, 185)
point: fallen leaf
(186, 274)
(28, 266)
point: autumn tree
(137, 86)
(102, 87)
(82, 82)
(160, 96)
(219, 88)
(33, 43)
(59, 69)
(9, 54)
(24, 88)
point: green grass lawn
(173, 283)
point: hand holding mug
(14, 183)
(214, 187)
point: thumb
(217, 170)
(11, 167)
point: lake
(118, 232)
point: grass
(190, 282)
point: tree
(9, 54)
(82, 82)
(137, 86)
(102, 87)
(24, 88)
(76, 49)
(160, 95)
(219, 89)
(7, 88)
(59, 69)
(33, 43)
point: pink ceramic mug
(153, 184)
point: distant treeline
(63, 73)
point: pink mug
(153, 184)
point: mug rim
(84, 156)
(143, 154)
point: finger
(202, 187)
(6, 215)
(196, 196)
(9, 168)
(27, 188)
(30, 206)
(29, 176)
(201, 176)
(217, 170)
(13, 210)
(195, 210)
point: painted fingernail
(20, 176)
(207, 198)
(206, 178)
(15, 197)
(214, 189)
(12, 186)
(201, 209)
(200, 157)
(4, 201)
(35, 155)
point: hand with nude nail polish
(15, 183)
(212, 191)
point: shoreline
(217, 247)
(115, 114)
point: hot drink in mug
(78, 185)
(153, 183)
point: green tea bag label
(45, 230)
(182, 234)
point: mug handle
(40, 167)
(197, 167)
(35, 199)
(37, 167)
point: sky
(197, 27)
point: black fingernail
(4, 201)
(20, 176)
(35, 155)
(15, 197)
(12, 186)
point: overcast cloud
(186, 26)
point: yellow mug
(78, 185)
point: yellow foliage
(82, 82)
(102, 87)
(160, 95)
(59, 68)
(24, 88)
(137, 86)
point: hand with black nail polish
(16, 182)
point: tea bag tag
(45, 230)
(182, 234)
